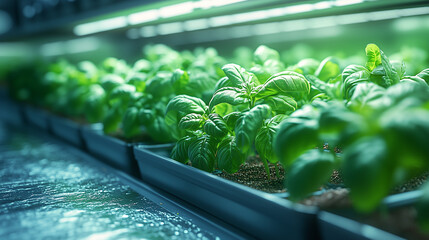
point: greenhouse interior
(214, 119)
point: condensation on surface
(48, 193)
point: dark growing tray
(112, 151)
(260, 214)
(67, 130)
(4, 94)
(37, 117)
(11, 112)
(335, 227)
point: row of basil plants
(220, 113)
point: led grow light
(15, 49)
(100, 26)
(79, 45)
(142, 17)
(196, 24)
(149, 16)
(170, 28)
(176, 9)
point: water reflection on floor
(48, 193)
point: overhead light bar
(170, 28)
(206, 4)
(100, 26)
(148, 31)
(142, 17)
(341, 3)
(148, 16)
(284, 26)
(79, 45)
(15, 49)
(176, 9)
(276, 12)
(197, 24)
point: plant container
(4, 94)
(336, 227)
(341, 224)
(11, 112)
(37, 117)
(261, 215)
(67, 130)
(111, 150)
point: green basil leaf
(409, 91)
(223, 109)
(160, 85)
(179, 80)
(308, 65)
(237, 75)
(202, 153)
(339, 126)
(264, 53)
(159, 131)
(321, 89)
(138, 80)
(281, 103)
(180, 150)
(95, 105)
(368, 171)
(353, 80)
(113, 119)
(143, 66)
(182, 105)
(407, 129)
(200, 82)
(297, 134)
(215, 126)
(373, 56)
(123, 92)
(270, 67)
(310, 171)
(230, 95)
(415, 80)
(130, 122)
(264, 142)
(248, 125)
(390, 71)
(350, 69)
(424, 75)
(328, 69)
(366, 94)
(231, 119)
(285, 83)
(278, 118)
(146, 116)
(191, 121)
(229, 156)
(223, 82)
(111, 81)
(399, 67)
(115, 66)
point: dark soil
(330, 199)
(412, 184)
(252, 173)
